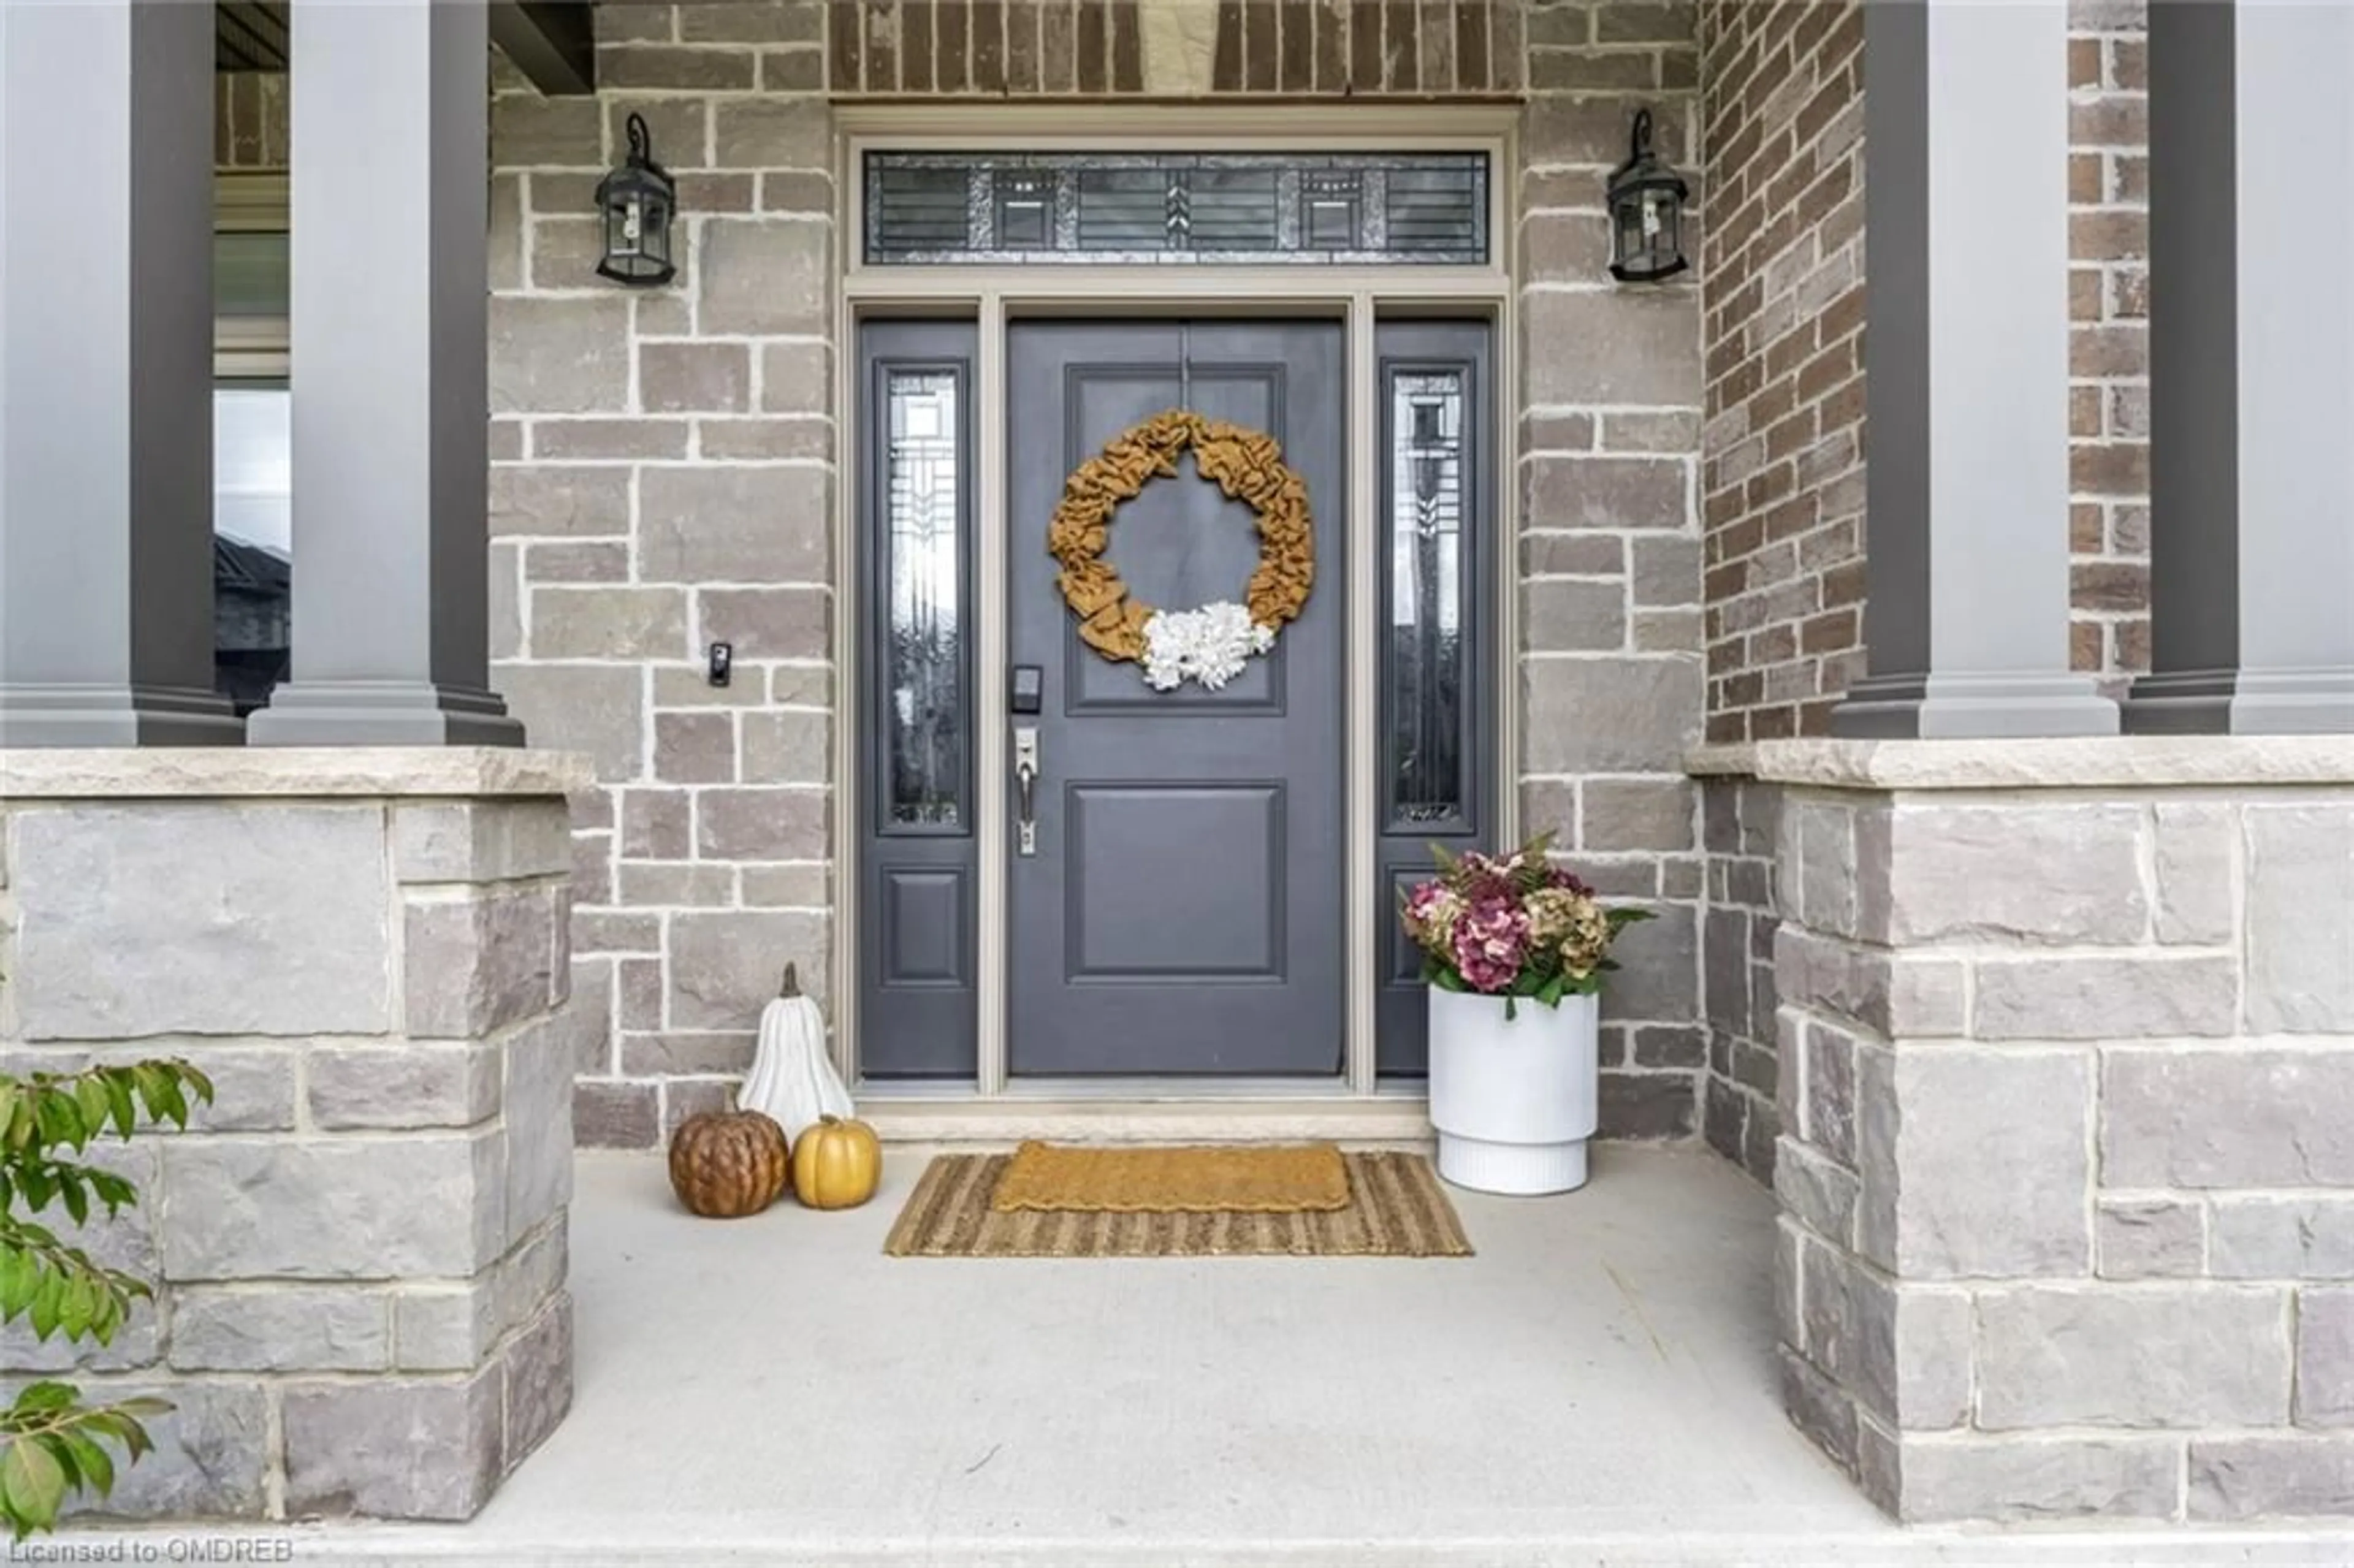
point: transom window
(927, 208)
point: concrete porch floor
(1597, 1385)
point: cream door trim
(992, 297)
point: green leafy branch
(50, 1444)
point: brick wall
(1781, 275)
(2067, 1164)
(1094, 47)
(2108, 411)
(1782, 468)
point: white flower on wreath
(1211, 645)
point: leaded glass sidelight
(923, 686)
(1428, 720)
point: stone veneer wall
(1781, 275)
(2067, 1165)
(1609, 417)
(663, 473)
(1740, 1106)
(359, 1247)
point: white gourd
(792, 1080)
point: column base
(382, 712)
(2241, 701)
(1973, 707)
(95, 715)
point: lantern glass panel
(1668, 244)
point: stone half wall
(664, 470)
(1740, 1114)
(358, 1249)
(2067, 1101)
(1781, 273)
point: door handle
(1025, 788)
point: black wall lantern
(638, 200)
(1646, 213)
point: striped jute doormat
(1395, 1209)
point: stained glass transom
(927, 209)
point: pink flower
(1483, 880)
(1431, 912)
(1490, 941)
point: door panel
(1219, 915)
(1184, 911)
(924, 929)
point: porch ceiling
(553, 42)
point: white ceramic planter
(1513, 1100)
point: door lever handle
(1025, 788)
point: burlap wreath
(1246, 464)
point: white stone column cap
(2090, 762)
(135, 773)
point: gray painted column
(106, 346)
(2251, 370)
(390, 370)
(1965, 346)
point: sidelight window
(1429, 727)
(923, 686)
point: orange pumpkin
(837, 1163)
(728, 1164)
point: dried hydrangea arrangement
(1210, 645)
(1515, 926)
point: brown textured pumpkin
(727, 1164)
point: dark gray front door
(1183, 912)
